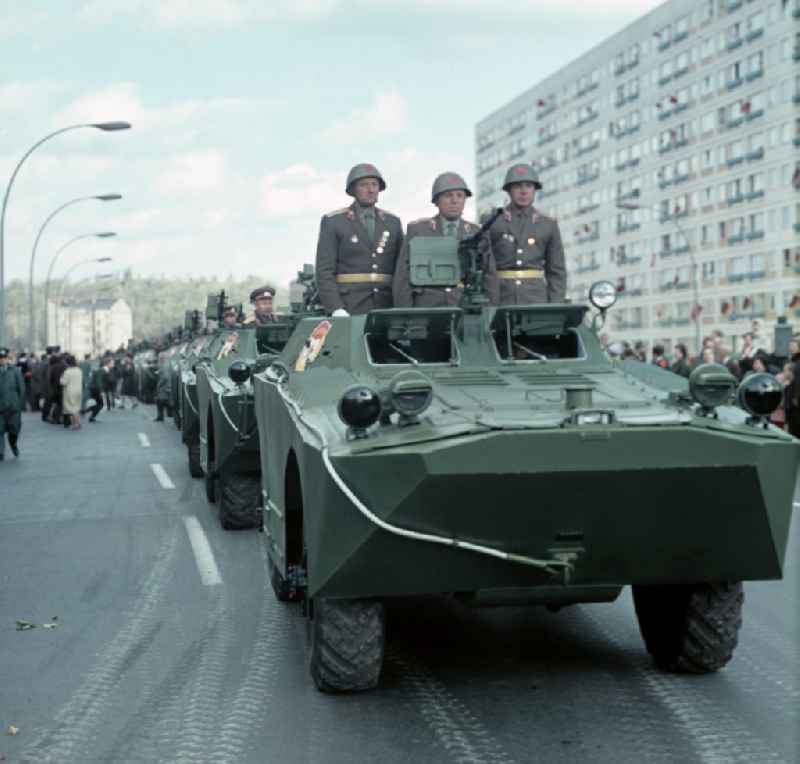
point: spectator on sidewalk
(163, 389)
(109, 381)
(12, 395)
(681, 363)
(128, 375)
(57, 368)
(658, 357)
(72, 385)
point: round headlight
(760, 394)
(711, 384)
(603, 294)
(410, 393)
(239, 372)
(360, 407)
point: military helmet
(361, 171)
(262, 291)
(448, 181)
(4, 352)
(521, 173)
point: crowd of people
(748, 360)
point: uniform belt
(363, 278)
(530, 273)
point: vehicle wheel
(285, 590)
(211, 484)
(692, 629)
(239, 501)
(347, 639)
(195, 470)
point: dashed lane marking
(144, 440)
(204, 557)
(161, 476)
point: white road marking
(161, 476)
(144, 440)
(203, 556)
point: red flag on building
(540, 102)
(696, 311)
(673, 99)
(745, 107)
(725, 308)
(747, 302)
(796, 177)
(621, 284)
(676, 209)
(795, 301)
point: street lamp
(31, 312)
(101, 235)
(66, 276)
(695, 285)
(107, 127)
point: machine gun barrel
(474, 294)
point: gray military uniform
(354, 271)
(408, 296)
(524, 241)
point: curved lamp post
(695, 285)
(101, 235)
(31, 311)
(66, 276)
(106, 127)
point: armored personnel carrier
(228, 440)
(498, 455)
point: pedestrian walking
(12, 395)
(163, 389)
(72, 384)
(109, 382)
(128, 374)
(57, 368)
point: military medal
(354, 239)
(531, 241)
(382, 243)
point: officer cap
(521, 173)
(262, 291)
(4, 352)
(361, 171)
(449, 181)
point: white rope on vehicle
(553, 566)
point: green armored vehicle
(228, 440)
(499, 456)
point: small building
(89, 326)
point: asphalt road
(162, 652)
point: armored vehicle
(227, 427)
(498, 455)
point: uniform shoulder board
(385, 213)
(419, 220)
(341, 211)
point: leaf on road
(49, 625)
(12, 730)
(23, 625)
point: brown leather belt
(530, 273)
(363, 278)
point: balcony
(629, 195)
(627, 99)
(735, 278)
(587, 268)
(546, 110)
(736, 199)
(680, 72)
(756, 275)
(754, 235)
(542, 194)
(582, 181)
(665, 114)
(594, 236)
(733, 84)
(736, 239)
(796, 140)
(754, 75)
(518, 153)
(754, 115)
(628, 324)
(629, 164)
(588, 89)
(627, 131)
(516, 129)
(587, 208)
(662, 46)
(662, 184)
(681, 178)
(683, 321)
(796, 54)
(734, 123)
(665, 322)
(754, 35)
(758, 153)
(664, 80)
(734, 44)
(587, 149)
(796, 227)
(486, 146)
(625, 260)
(679, 37)
(628, 227)
(734, 5)
(753, 195)
(588, 118)
(733, 161)
(545, 140)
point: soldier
(357, 249)
(527, 245)
(12, 395)
(449, 194)
(230, 317)
(261, 300)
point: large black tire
(195, 470)
(690, 629)
(347, 639)
(211, 484)
(239, 501)
(285, 591)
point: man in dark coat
(163, 389)
(527, 245)
(57, 367)
(357, 249)
(12, 396)
(449, 193)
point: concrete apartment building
(90, 326)
(676, 141)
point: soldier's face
(451, 203)
(366, 191)
(521, 194)
(264, 305)
(229, 319)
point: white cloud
(26, 97)
(299, 190)
(386, 115)
(195, 172)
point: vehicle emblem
(313, 345)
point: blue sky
(247, 115)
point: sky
(247, 115)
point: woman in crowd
(72, 385)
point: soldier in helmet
(449, 194)
(12, 395)
(357, 249)
(261, 299)
(527, 245)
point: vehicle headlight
(603, 294)
(359, 408)
(760, 394)
(410, 394)
(711, 385)
(239, 372)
